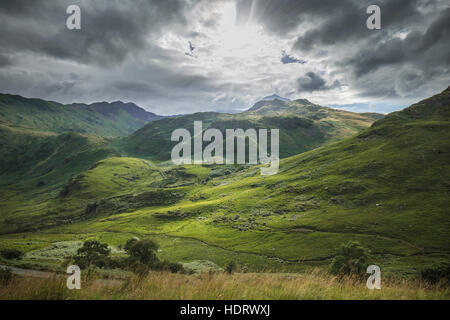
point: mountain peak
(275, 97)
(264, 103)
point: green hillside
(105, 119)
(303, 126)
(387, 187)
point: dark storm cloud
(115, 52)
(110, 29)
(119, 53)
(368, 60)
(313, 82)
(426, 50)
(282, 16)
(348, 22)
(420, 58)
(332, 21)
(334, 28)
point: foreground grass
(166, 286)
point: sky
(185, 56)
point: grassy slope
(34, 168)
(303, 127)
(36, 114)
(387, 187)
(311, 285)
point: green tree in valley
(351, 259)
(143, 251)
(92, 253)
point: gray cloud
(426, 50)
(419, 58)
(313, 82)
(336, 30)
(282, 16)
(119, 53)
(5, 61)
(110, 29)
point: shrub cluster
(11, 254)
(93, 253)
(351, 259)
(141, 257)
(437, 273)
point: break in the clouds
(191, 49)
(183, 56)
(286, 58)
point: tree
(143, 251)
(129, 244)
(92, 253)
(351, 259)
(143, 257)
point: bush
(437, 273)
(351, 259)
(143, 251)
(93, 253)
(143, 258)
(11, 254)
(129, 244)
(231, 266)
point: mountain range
(381, 180)
(303, 126)
(102, 118)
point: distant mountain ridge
(110, 108)
(101, 118)
(303, 126)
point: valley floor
(312, 285)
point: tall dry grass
(161, 285)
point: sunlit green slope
(387, 187)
